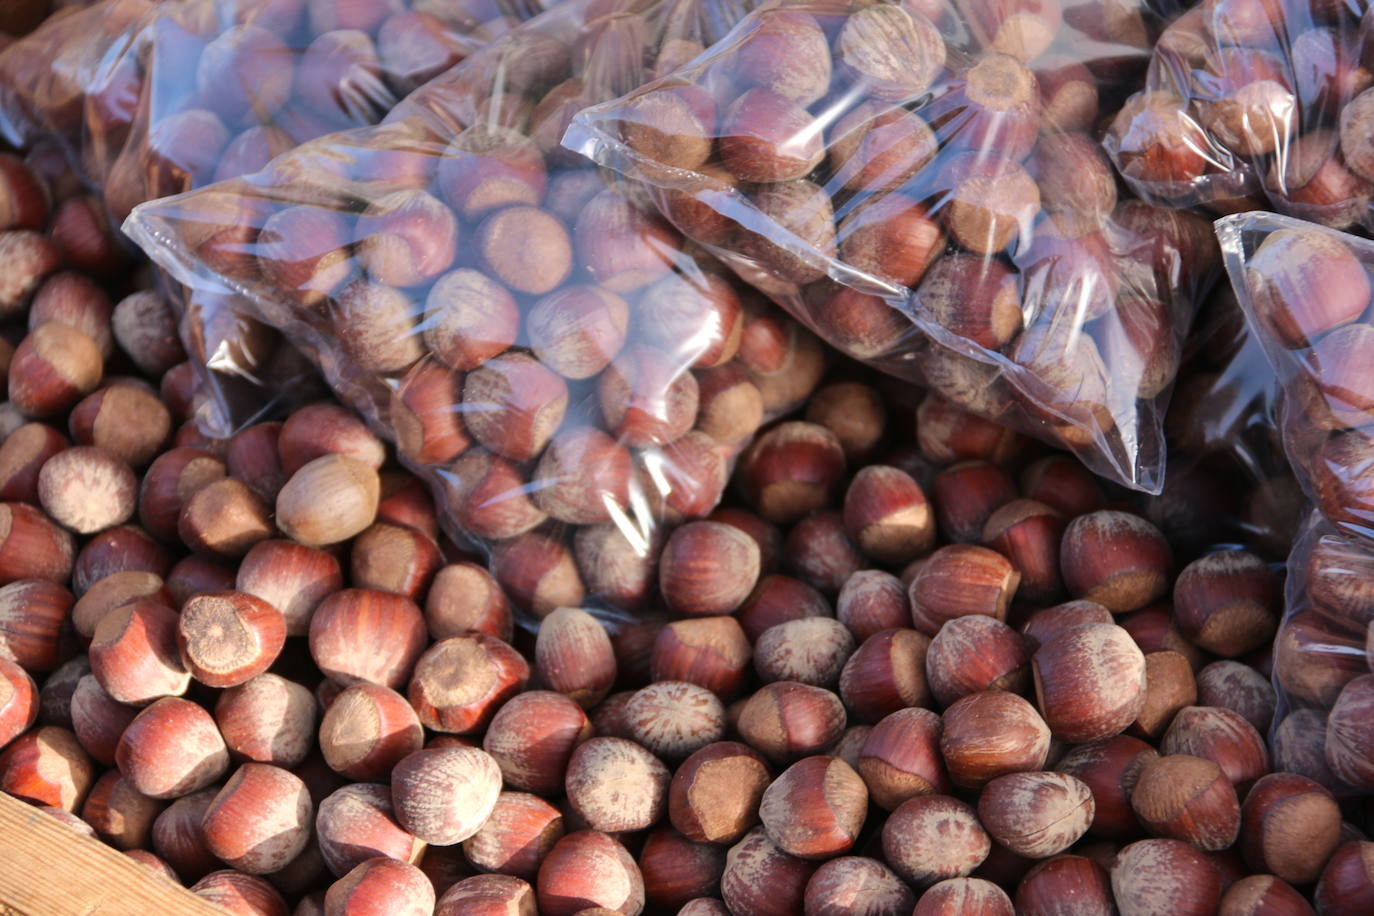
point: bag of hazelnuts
(1306, 292)
(569, 374)
(920, 184)
(1256, 105)
(197, 91)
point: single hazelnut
(18, 701)
(328, 500)
(1169, 688)
(444, 795)
(1345, 885)
(841, 883)
(589, 869)
(815, 808)
(1089, 682)
(1168, 873)
(260, 820)
(531, 738)
(134, 653)
(990, 734)
(463, 597)
(46, 766)
(786, 721)
(267, 720)
(930, 838)
(761, 878)
(1114, 558)
(381, 886)
(240, 893)
(1069, 884)
(227, 638)
(711, 652)
(1187, 798)
(1305, 282)
(1221, 736)
(1263, 894)
(976, 653)
(32, 546)
(291, 577)
(959, 580)
(616, 785)
(87, 489)
(1225, 602)
(900, 758)
(172, 748)
(365, 636)
(538, 573)
(886, 673)
(120, 815)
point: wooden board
(46, 869)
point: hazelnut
(145, 328)
(1036, 814)
(538, 266)
(376, 327)
(712, 652)
(18, 701)
(886, 673)
(976, 653)
(673, 719)
(767, 137)
(320, 429)
(786, 721)
(964, 895)
(899, 758)
(178, 838)
(1239, 688)
(531, 738)
(460, 682)
(1169, 687)
(290, 577)
(487, 893)
(707, 568)
(330, 499)
(1290, 826)
(815, 808)
(872, 601)
(31, 546)
(381, 886)
(171, 748)
(356, 823)
(463, 597)
(267, 720)
(1262, 894)
(1051, 621)
(930, 838)
(240, 893)
(227, 638)
(1348, 736)
(169, 483)
(98, 720)
(87, 489)
(444, 795)
(1305, 282)
(959, 580)
(22, 455)
(1225, 602)
(840, 884)
(616, 785)
(714, 796)
(1114, 558)
(537, 573)
(260, 820)
(793, 469)
(1028, 533)
(1089, 682)
(364, 636)
(761, 878)
(990, 734)
(1187, 798)
(520, 832)
(1345, 885)
(1069, 884)
(134, 653)
(121, 816)
(1171, 874)
(888, 515)
(367, 730)
(1221, 736)
(589, 869)
(623, 246)
(46, 766)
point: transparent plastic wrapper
(920, 185)
(1306, 294)
(1228, 480)
(202, 90)
(561, 366)
(1256, 106)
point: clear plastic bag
(195, 91)
(1306, 294)
(551, 356)
(919, 184)
(1252, 106)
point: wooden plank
(46, 869)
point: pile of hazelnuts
(1255, 103)
(913, 663)
(938, 160)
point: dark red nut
(267, 720)
(1349, 737)
(1225, 602)
(959, 580)
(760, 134)
(538, 573)
(900, 758)
(367, 730)
(778, 599)
(1052, 621)
(887, 514)
(1028, 533)
(316, 430)
(1221, 736)
(1263, 894)
(444, 795)
(405, 238)
(886, 673)
(966, 495)
(672, 126)
(1346, 885)
(1290, 827)
(616, 785)
(623, 246)
(460, 682)
(227, 638)
(714, 795)
(761, 878)
(573, 656)
(532, 737)
(793, 469)
(785, 721)
(1089, 682)
(394, 558)
(1165, 873)
(169, 483)
(87, 489)
(520, 832)
(1114, 558)
(1239, 688)
(583, 477)
(934, 837)
(1187, 798)
(872, 601)
(1305, 282)
(120, 815)
(46, 766)
(976, 653)
(1068, 884)
(1155, 140)
(589, 870)
(620, 569)
(260, 820)
(363, 636)
(134, 653)
(22, 455)
(1110, 769)
(238, 892)
(464, 597)
(1036, 814)
(292, 578)
(708, 568)
(32, 547)
(1155, 629)
(840, 883)
(964, 896)
(712, 652)
(990, 734)
(98, 720)
(18, 701)
(469, 319)
(513, 404)
(815, 808)
(172, 748)
(380, 886)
